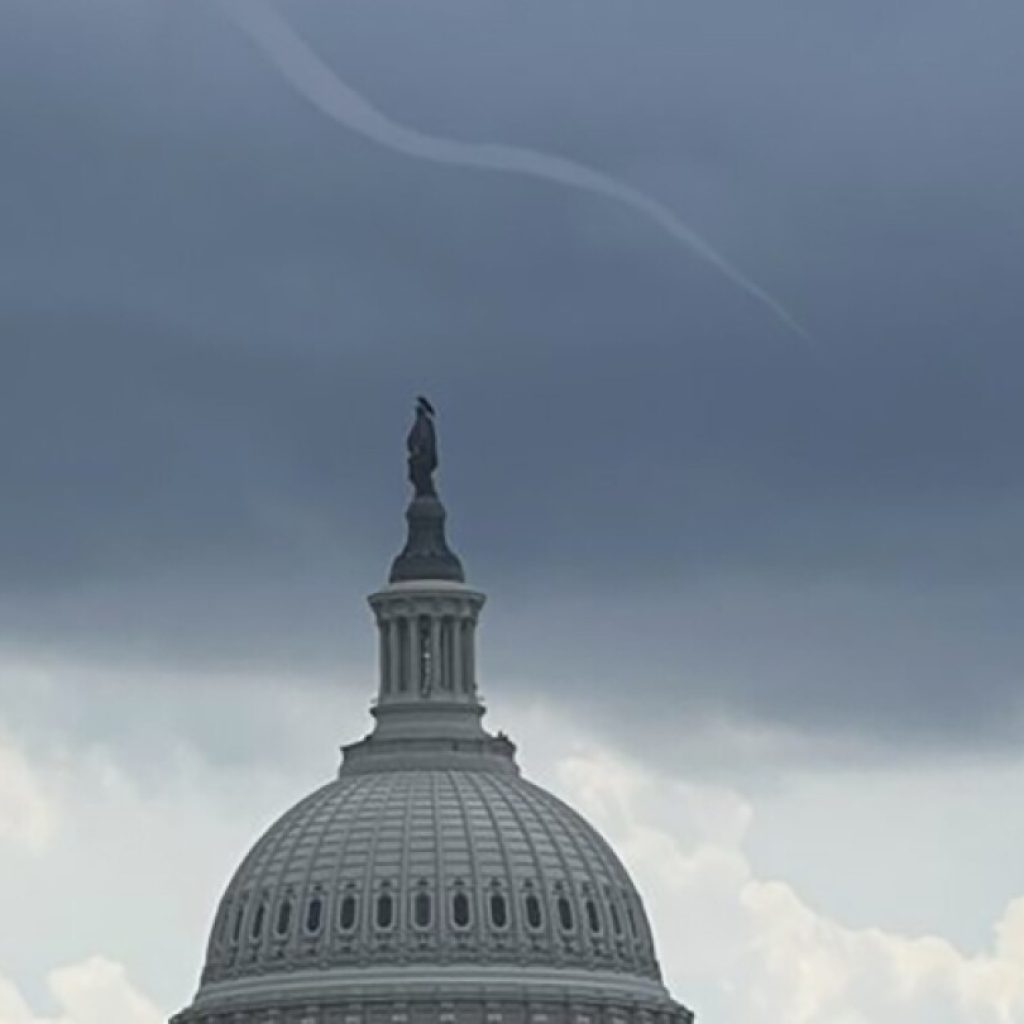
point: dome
(429, 882)
(454, 868)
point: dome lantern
(427, 698)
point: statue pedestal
(426, 555)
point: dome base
(436, 1005)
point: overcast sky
(754, 595)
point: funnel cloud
(318, 83)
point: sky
(754, 590)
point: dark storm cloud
(215, 306)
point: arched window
(421, 909)
(616, 918)
(385, 910)
(257, 921)
(499, 910)
(225, 922)
(534, 917)
(460, 910)
(284, 917)
(236, 932)
(565, 913)
(632, 920)
(314, 914)
(347, 917)
(593, 919)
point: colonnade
(427, 644)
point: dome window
(499, 910)
(236, 932)
(632, 921)
(421, 909)
(460, 910)
(593, 919)
(347, 917)
(534, 916)
(616, 918)
(314, 914)
(385, 910)
(284, 917)
(257, 921)
(565, 913)
(225, 924)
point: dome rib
(336, 893)
(309, 887)
(372, 875)
(440, 904)
(549, 898)
(474, 782)
(284, 888)
(544, 882)
(405, 893)
(579, 832)
(585, 938)
(476, 925)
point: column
(469, 656)
(394, 656)
(385, 658)
(413, 641)
(399, 654)
(455, 635)
(448, 652)
(437, 679)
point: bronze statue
(422, 445)
(426, 555)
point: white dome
(430, 866)
(378, 881)
(429, 883)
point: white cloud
(28, 812)
(157, 848)
(750, 951)
(150, 823)
(95, 991)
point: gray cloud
(215, 308)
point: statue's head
(423, 406)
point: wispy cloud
(315, 80)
